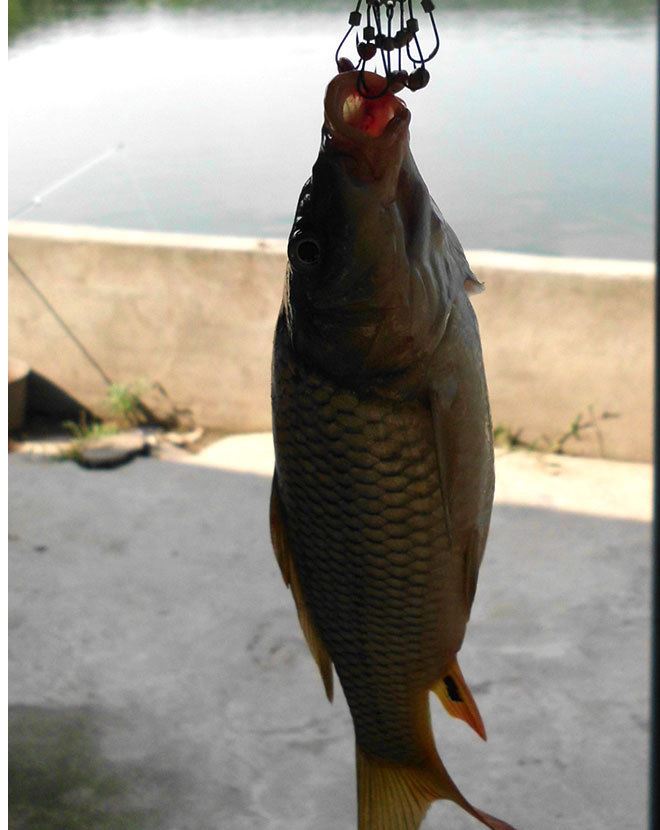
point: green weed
(509, 439)
(124, 402)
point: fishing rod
(391, 33)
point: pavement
(158, 679)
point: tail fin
(390, 796)
(397, 797)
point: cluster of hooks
(391, 30)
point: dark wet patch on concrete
(59, 778)
(314, 746)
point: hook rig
(391, 31)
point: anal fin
(290, 576)
(455, 695)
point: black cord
(62, 323)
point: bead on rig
(392, 30)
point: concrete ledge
(196, 313)
(152, 239)
(561, 266)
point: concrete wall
(561, 336)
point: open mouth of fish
(352, 116)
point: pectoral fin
(472, 285)
(290, 576)
(455, 695)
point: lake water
(536, 133)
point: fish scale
(367, 529)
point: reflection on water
(536, 133)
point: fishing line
(36, 201)
(354, 20)
(90, 358)
(38, 198)
(401, 29)
(119, 150)
(137, 190)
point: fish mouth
(360, 121)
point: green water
(535, 134)
(25, 14)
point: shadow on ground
(59, 777)
(158, 678)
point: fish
(384, 475)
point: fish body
(384, 478)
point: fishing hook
(378, 36)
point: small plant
(82, 433)
(509, 439)
(125, 403)
(143, 403)
(505, 437)
(126, 408)
(85, 430)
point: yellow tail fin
(396, 797)
(455, 695)
(390, 796)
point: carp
(384, 475)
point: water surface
(536, 133)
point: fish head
(359, 291)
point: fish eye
(305, 251)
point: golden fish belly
(366, 522)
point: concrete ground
(158, 680)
